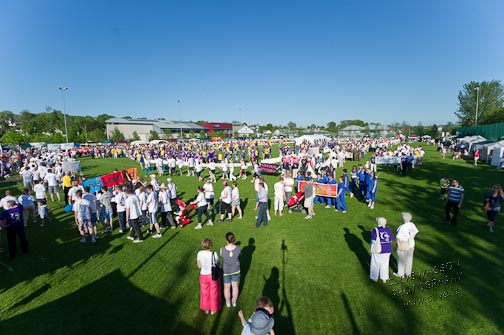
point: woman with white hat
(380, 256)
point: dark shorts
(492, 214)
(224, 207)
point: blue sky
(310, 62)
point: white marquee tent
(311, 139)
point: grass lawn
(316, 272)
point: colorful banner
(323, 190)
(132, 172)
(94, 184)
(269, 168)
(388, 160)
(112, 179)
(71, 166)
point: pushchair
(181, 217)
(295, 203)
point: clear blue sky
(260, 61)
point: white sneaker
(371, 207)
(327, 206)
(131, 238)
(344, 211)
(198, 226)
(137, 241)
(210, 223)
(351, 195)
(157, 236)
(269, 218)
(308, 217)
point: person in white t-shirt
(40, 193)
(225, 202)
(82, 215)
(288, 185)
(278, 201)
(133, 213)
(235, 201)
(52, 184)
(152, 207)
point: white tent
(139, 142)
(497, 154)
(311, 139)
(488, 150)
(245, 130)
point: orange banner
(323, 190)
(132, 172)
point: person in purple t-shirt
(380, 262)
(12, 220)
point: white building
(143, 127)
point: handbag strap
(377, 235)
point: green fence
(492, 132)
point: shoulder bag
(217, 272)
(376, 247)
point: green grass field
(316, 272)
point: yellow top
(67, 181)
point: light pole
(477, 88)
(180, 101)
(63, 89)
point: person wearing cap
(225, 202)
(261, 322)
(380, 262)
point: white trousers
(379, 266)
(278, 203)
(405, 262)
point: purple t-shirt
(13, 216)
(386, 239)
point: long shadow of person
(245, 261)
(355, 244)
(283, 325)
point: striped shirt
(455, 194)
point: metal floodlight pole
(477, 88)
(180, 124)
(63, 89)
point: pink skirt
(210, 295)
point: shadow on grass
(356, 245)
(110, 305)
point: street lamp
(477, 88)
(63, 89)
(180, 124)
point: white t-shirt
(201, 201)
(82, 206)
(209, 190)
(51, 179)
(3, 201)
(226, 195)
(120, 200)
(288, 183)
(164, 202)
(205, 259)
(133, 204)
(279, 190)
(152, 202)
(407, 231)
(39, 191)
(235, 194)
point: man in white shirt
(225, 202)
(133, 212)
(52, 184)
(152, 207)
(82, 215)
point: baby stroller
(295, 203)
(181, 217)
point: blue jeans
(262, 214)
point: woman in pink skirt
(210, 297)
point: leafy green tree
(153, 135)
(116, 135)
(291, 125)
(134, 136)
(490, 98)
(419, 130)
(96, 135)
(192, 134)
(12, 137)
(202, 134)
